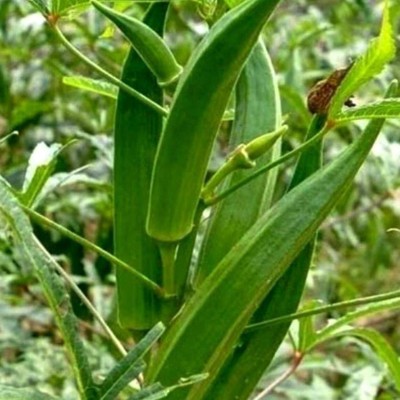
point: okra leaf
(381, 346)
(306, 333)
(92, 85)
(388, 108)
(335, 325)
(380, 51)
(53, 288)
(130, 366)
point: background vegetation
(360, 253)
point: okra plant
(211, 322)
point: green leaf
(388, 108)
(380, 51)
(53, 288)
(306, 332)
(335, 325)
(130, 366)
(381, 346)
(92, 85)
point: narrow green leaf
(134, 152)
(380, 51)
(306, 332)
(247, 359)
(130, 366)
(381, 346)
(229, 296)
(388, 108)
(102, 88)
(350, 317)
(53, 289)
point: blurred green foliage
(307, 41)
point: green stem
(328, 308)
(215, 199)
(91, 246)
(107, 75)
(84, 300)
(168, 256)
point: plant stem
(41, 219)
(156, 107)
(330, 307)
(168, 256)
(295, 363)
(215, 199)
(84, 299)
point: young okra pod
(198, 107)
(149, 45)
(257, 109)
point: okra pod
(257, 110)
(137, 131)
(198, 107)
(148, 43)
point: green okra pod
(198, 107)
(148, 43)
(136, 135)
(258, 109)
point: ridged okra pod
(231, 294)
(148, 43)
(199, 103)
(137, 131)
(257, 111)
